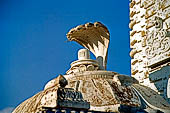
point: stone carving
(59, 96)
(152, 36)
(68, 97)
(102, 91)
(158, 44)
(69, 94)
(158, 22)
(84, 63)
(94, 37)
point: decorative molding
(157, 44)
(103, 92)
(82, 68)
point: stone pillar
(150, 41)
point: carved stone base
(69, 98)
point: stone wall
(149, 39)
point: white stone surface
(83, 54)
(148, 38)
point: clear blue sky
(34, 47)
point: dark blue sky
(34, 47)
